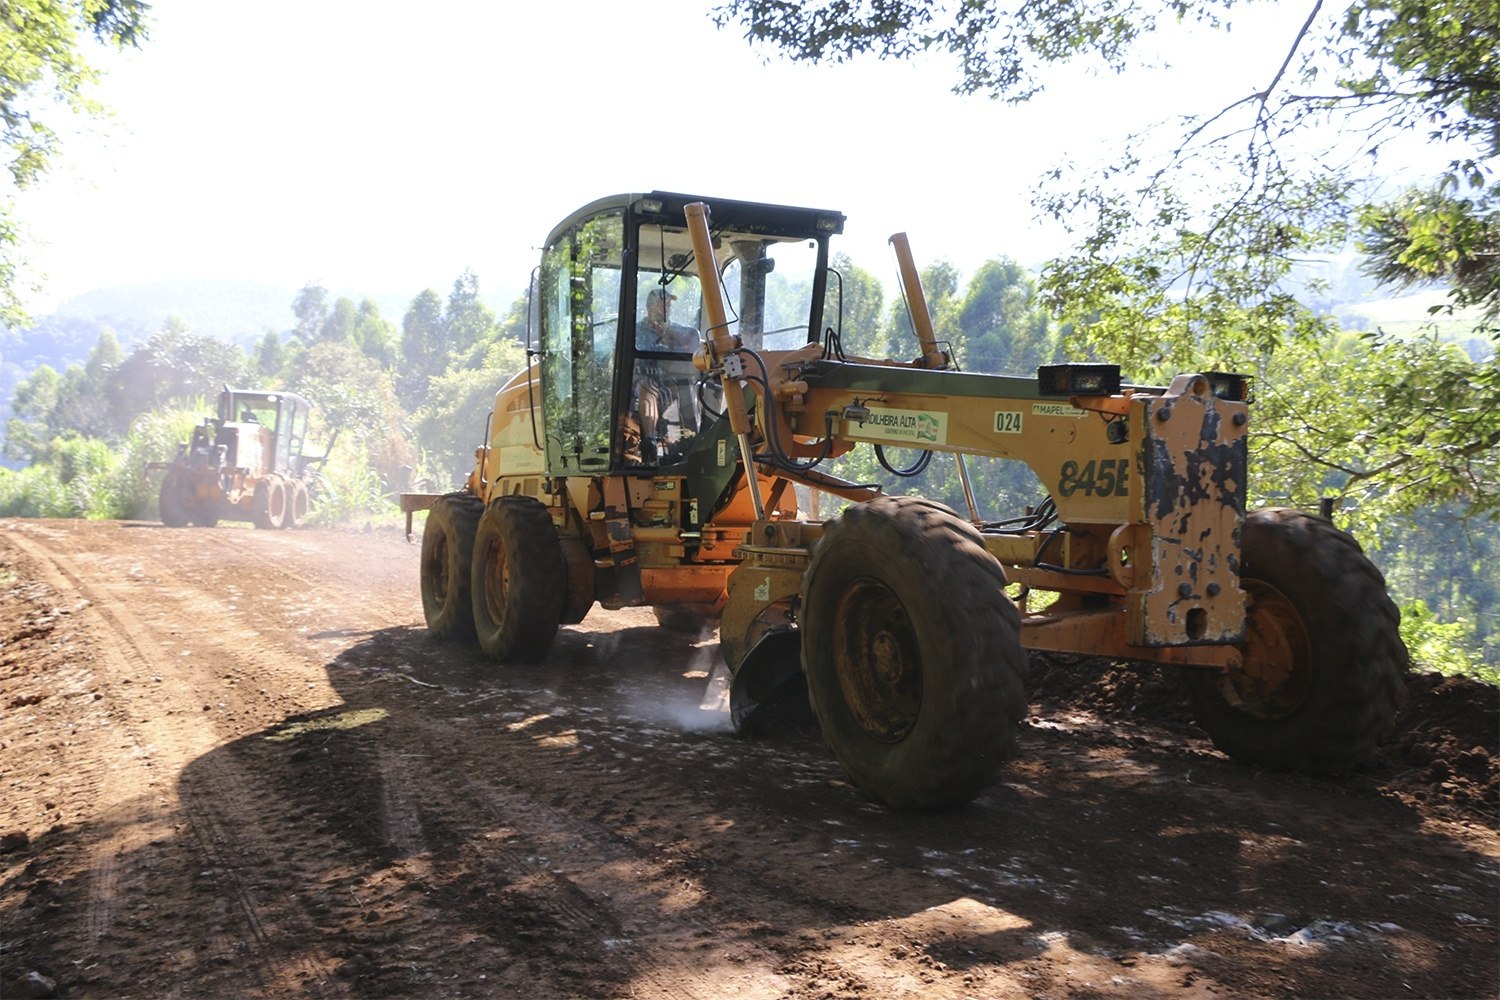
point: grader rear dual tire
(447, 554)
(912, 653)
(297, 503)
(270, 503)
(1324, 666)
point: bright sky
(379, 145)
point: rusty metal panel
(1192, 467)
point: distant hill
(1418, 314)
(236, 311)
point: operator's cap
(659, 295)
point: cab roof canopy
(665, 208)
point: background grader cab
(623, 468)
(245, 464)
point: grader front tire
(447, 553)
(1324, 666)
(912, 653)
(519, 581)
(173, 501)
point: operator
(663, 390)
(656, 332)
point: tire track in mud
(128, 787)
(221, 808)
(558, 904)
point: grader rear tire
(1324, 669)
(297, 503)
(447, 553)
(270, 503)
(912, 653)
(518, 581)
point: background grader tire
(1324, 670)
(519, 581)
(912, 653)
(270, 503)
(297, 504)
(173, 500)
(447, 553)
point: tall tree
(373, 334)
(352, 392)
(339, 325)
(1187, 244)
(43, 68)
(424, 350)
(83, 403)
(860, 301)
(29, 430)
(467, 321)
(174, 365)
(1005, 328)
(311, 309)
(270, 356)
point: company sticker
(1055, 410)
(921, 428)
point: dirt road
(234, 764)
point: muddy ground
(234, 764)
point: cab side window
(580, 290)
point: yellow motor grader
(631, 466)
(245, 464)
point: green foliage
(859, 303)
(311, 309)
(1000, 48)
(1387, 427)
(29, 432)
(154, 437)
(450, 424)
(349, 491)
(1435, 235)
(270, 357)
(1005, 329)
(171, 366)
(82, 478)
(1443, 647)
(31, 492)
(43, 68)
(89, 472)
(1185, 258)
(355, 395)
(434, 335)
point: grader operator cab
(245, 464)
(689, 383)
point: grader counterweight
(620, 468)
